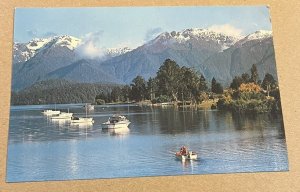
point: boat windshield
(75, 118)
(117, 118)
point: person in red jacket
(183, 150)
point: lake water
(42, 149)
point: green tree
(151, 88)
(203, 85)
(246, 78)
(188, 84)
(138, 88)
(126, 92)
(254, 74)
(236, 82)
(116, 94)
(216, 87)
(269, 81)
(168, 79)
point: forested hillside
(60, 91)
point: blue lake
(42, 149)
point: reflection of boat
(82, 125)
(116, 122)
(184, 154)
(63, 115)
(120, 131)
(50, 112)
(84, 120)
(60, 122)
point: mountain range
(210, 53)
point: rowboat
(184, 154)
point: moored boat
(82, 120)
(86, 120)
(50, 112)
(116, 122)
(63, 115)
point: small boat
(63, 115)
(85, 120)
(82, 120)
(116, 122)
(51, 112)
(184, 154)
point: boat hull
(63, 116)
(108, 125)
(192, 156)
(82, 120)
(51, 112)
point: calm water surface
(43, 149)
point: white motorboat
(63, 115)
(116, 122)
(50, 112)
(84, 120)
(184, 154)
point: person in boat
(183, 150)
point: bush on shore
(249, 99)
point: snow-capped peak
(256, 36)
(36, 43)
(221, 40)
(25, 51)
(198, 33)
(68, 41)
(261, 34)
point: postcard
(125, 92)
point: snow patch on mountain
(113, 52)
(262, 34)
(36, 44)
(68, 41)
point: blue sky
(133, 26)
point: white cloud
(226, 29)
(152, 33)
(91, 46)
(31, 33)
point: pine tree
(254, 74)
(138, 88)
(168, 79)
(216, 87)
